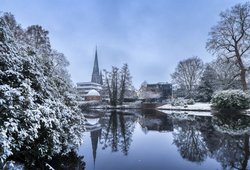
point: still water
(152, 140)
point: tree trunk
(121, 98)
(246, 151)
(242, 69)
(243, 79)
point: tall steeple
(96, 73)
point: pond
(150, 139)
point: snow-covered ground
(200, 109)
(194, 107)
(248, 112)
(185, 114)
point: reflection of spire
(94, 141)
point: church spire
(95, 73)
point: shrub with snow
(182, 102)
(231, 99)
(178, 102)
(190, 101)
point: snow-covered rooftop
(93, 93)
(87, 83)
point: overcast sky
(152, 36)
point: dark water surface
(152, 140)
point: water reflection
(233, 143)
(117, 130)
(189, 140)
(111, 130)
(67, 162)
(153, 120)
(222, 138)
(63, 162)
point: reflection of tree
(69, 161)
(223, 137)
(154, 120)
(231, 123)
(233, 144)
(246, 151)
(189, 140)
(233, 151)
(117, 131)
(62, 162)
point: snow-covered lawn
(194, 107)
(185, 114)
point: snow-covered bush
(190, 101)
(231, 99)
(182, 102)
(178, 102)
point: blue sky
(152, 36)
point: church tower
(96, 77)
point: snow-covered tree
(187, 74)
(125, 83)
(218, 75)
(117, 83)
(60, 64)
(230, 38)
(142, 89)
(225, 74)
(206, 86)
(39, 115)
(10, 95)
(16, 29)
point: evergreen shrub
(231, 99)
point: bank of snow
(195, 107)
(201, 109)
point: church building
(83, 88)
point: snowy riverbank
(203, 109)
(195, 107)
(96, 105)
